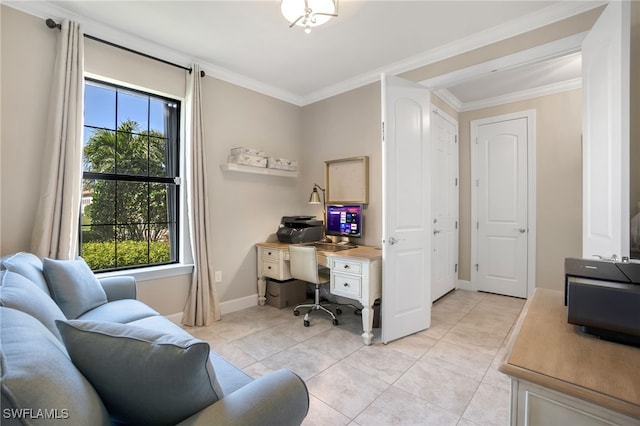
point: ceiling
(249, 42)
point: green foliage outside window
(127, 222)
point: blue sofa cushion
(73, 286)
(120, 311)
(19, 293)
(143, 376)
(29, 266)
(40, 384)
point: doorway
(503, 204)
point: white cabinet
(537, 405)
(346, 278)
(359, 279)
(273, 262)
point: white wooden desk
(355, 274)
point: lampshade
(315, 197)
(308, 13)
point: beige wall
(347, 125)
(246, 208)
(558, 182)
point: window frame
(174, 180)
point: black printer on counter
(603, 298)
(299, 229)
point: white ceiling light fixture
(308, 13)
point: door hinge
(455, 268)
(477, 266)
(478, 225)
(455, 138)
(456, 183)
(456, 224)
(383, 131)
(477, 183)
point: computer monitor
(344, 220)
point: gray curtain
(202, 304)
(55, 232)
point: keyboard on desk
(332, 246)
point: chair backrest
(304, 263)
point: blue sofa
(78, 350)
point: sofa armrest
(118, 288)
(278, 398)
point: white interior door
(406, 208)
(605, 146)
(502, 204)
(444, 198)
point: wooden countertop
(545, 349)
(360, 252)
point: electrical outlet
(218, 276)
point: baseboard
(465, 285)
(238, 304)
(175, 318)
(225, 307)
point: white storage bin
(248, 160)
(282, 164)
(248, 151)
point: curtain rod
(53, 24)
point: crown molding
(550, 89)
(546, 16)
(46, 10)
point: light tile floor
(446, 375)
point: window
(130, 200)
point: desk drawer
(271, 270)
(272, 255)
(346, 285)
(348, 266)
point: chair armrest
(278, 398)
(118, 288)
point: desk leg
(262, 290)
(367, 324)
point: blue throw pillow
(19, 293)
(73, 286)
(143, 376)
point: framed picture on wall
(347, 180)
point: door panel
(502, 207)
(605, 147)
(406, 209)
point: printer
(603, 298)
(299, 229)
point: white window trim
(151, 272)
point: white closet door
(605, 86)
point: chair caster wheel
(339, 311)
(306, 323)
(335, 322)
(296, 313)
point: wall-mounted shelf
(229, 167)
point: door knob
(521, 230)
(392, 241)
(437, 231)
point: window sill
(152, 272)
